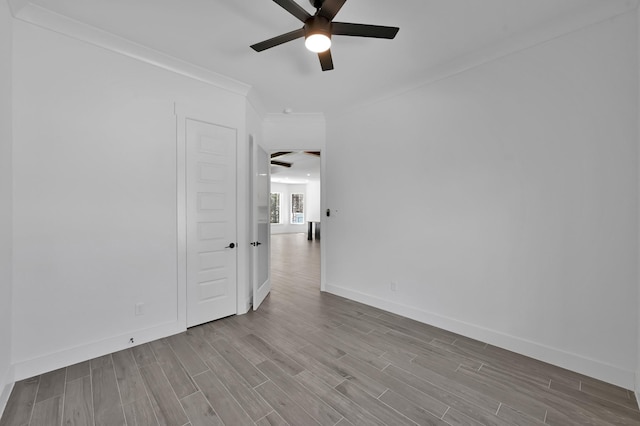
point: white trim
(38, 15)
(7, 386)
(571, 361)
(248, 304)
(324, 223)
(203, 112)
(181, 216)
(637, 316)
(243, 233)
(558, 27)
(45, 18)
(253, 99)
(17, 5)
(55, 360)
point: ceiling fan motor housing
(316, 3)
(317, 25)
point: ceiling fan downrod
(317, 4)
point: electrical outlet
(394, 286)
(139, 309)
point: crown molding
(16, 6)
(42, 17)
(253, 98)
(558, 27)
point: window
(297, 208)
(275, 208)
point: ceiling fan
(319, 28)
(285, 163)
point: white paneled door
(261, 226)
(211, 221)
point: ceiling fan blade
(273, 42)
(330, 8)
(281, 163)
(314, 153)
(363, 30)
(325, 60)
(279, 154)
(294, 8)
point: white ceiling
(304, 169)
(216, 35)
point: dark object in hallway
(310, 230)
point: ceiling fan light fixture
(317, 34)
(317, 43)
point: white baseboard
(574, 362)
(70, 356)
(637, 388)
(7, 386)
(247, 306)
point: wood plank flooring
(306, 358)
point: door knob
(232, 245)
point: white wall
(514, 202)
(285, 190)
(312, 206)
(6, 375)
(294, 132)
(95, 196)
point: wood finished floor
(307, 358)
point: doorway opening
(295, 221)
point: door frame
(227, 117)
(255, 168)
